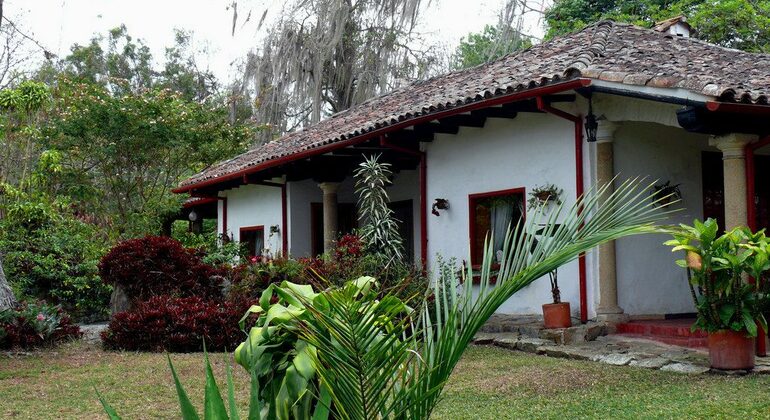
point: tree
(487, 45)
(741, 24)
(123, 152)
(324, 56)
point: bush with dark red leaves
(155, 265)
(31, 325)
(173, 324)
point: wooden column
(330, 213)
(608, 308)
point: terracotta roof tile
(605, 51)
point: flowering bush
(31, 325)
(166, 323)
(156, 265)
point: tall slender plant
(380, 229)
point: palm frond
(399, 372)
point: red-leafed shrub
(166, 323)
(32, 325)
(155, 265)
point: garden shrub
(251, 278)
(31, 325)
(174, 324)
(155, 265)
(49, 254)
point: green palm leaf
(376, 370)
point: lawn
(489, 383)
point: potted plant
(556, 314)
(544, 194)
(728, 302)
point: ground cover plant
(488, 383)
(31, 325)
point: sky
(57, 24)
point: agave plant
(372, 358)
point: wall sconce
(591, 124)
(439, 204)
(665, 194)
(274, 229)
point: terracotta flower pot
(557, 315)
(731, 350)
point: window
(492, 213)
(253, 237)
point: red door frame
(751, 211)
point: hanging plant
(665, 194)
(544, 194)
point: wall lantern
(193, 216)
(439, 204)
(591, 124)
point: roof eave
(487, 102)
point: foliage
(216, 250)
(166, 323)
(488, 45)
(51, 254)
(379, 232)
(156, 265)
(122, 154)
(31, 324)
(741, 24)
(719, 265)
(250, 279)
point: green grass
(489, 383)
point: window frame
(255, 228)
(472, 200)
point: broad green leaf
(213, 405)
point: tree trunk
(7, 300)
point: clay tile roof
(606, 51)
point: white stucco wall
(528, 151)
(406, 186)
(254, 205)
(649, 282)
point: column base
(614, 317)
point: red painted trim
(472, 198)
(199, 202)
(423, 194)
(714, 106)
(579, 189)
(256, 228)
(484, 103)
(224, 217)
(751, 213)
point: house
(572, 112)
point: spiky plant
(400, 373)
(380, 229)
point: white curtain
(259, 242)
(501, 215)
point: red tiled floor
(669, 331)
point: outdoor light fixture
(591, 124)
(193, 216)
(439, 204)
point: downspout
(423, 194)
(284, 212)
(751, 213)
(579, 189)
